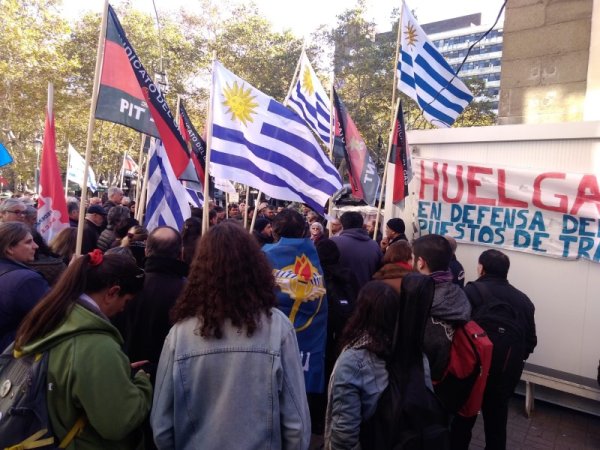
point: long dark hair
(375, 316)
(80, 277)
(230, 278)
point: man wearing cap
(94, 221)
(394, 231)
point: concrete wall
(545, 57)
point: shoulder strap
(73, 432)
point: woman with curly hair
(229, 375)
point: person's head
(452, 243)
(125, 201)
(110, 280)
(264, 227)
(328, 251)
(117, 216)
(270, 212)
(12, 210)
(73, 209)
(316, 230)
(30, 218)
(95, 201)
(212, 217)
(375, 316)
(288, 224)
(221, 215)
(261, 209)
(399, 251)
(136, 233)
(351, 219)
(394, 227)
(494, 263)
(280, 208)
(164, 242)
(192, 229)
(305, 209)
(336, 226)
(230, 278)
(370, 226)
(233, 210)
(63, 244)
(16, 242)
(115, 194)
(432, 253)
(96, 214)
(132, 208)
(312, 217)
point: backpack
(501, 323)
(24, 420)
(463, 383)
(409, 416)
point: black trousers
(498, 391)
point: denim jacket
(358, 380)
(235, 392)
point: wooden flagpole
(90, 133)
(123, 170)
(139, 185)
(67, 174)
(246, 208)
(255, 213)
(141, 206)
(294, 78)
(393, 118)
(209, 133)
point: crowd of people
(173, 339)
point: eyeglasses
(17, 213)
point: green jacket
(89, 375)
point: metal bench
(555, 379)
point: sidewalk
(550, 427)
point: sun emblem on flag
(307, 82)
(240, 102)
(410, 34)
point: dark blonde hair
(399, 251)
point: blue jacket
(20, 290)
(359, 253)
(358, 380)
(237, 392)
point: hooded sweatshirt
(359, 253)
(89, 375)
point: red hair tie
(96, 257)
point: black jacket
(145, 322)
(504, 291)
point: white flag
(225, 185)
(76, 168)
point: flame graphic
(303, 268)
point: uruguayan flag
(167, 198)
(259, 142)
(426, 77)
(309, 100)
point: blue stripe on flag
(280, 110)
(438, 96)
(433, 73)
(436, 55)
(275, 158)
(434, 112)
(247, 165)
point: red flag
(361, 169)
(399, 157)
(129, 96)
(52, 214)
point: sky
(304, 16)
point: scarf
(441, 276)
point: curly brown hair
(230, 278)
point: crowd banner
(548, 213)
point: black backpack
(409, 416)
(24, 421)
(501, 322)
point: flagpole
(290, 90)
(139, 186)
(209, 133)
(393, 113)
(123, 170)
(67, 173)
(385, 172)
(90, 133)
(331, 139)
(141, 206)
(255, 213)
(246, 208)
